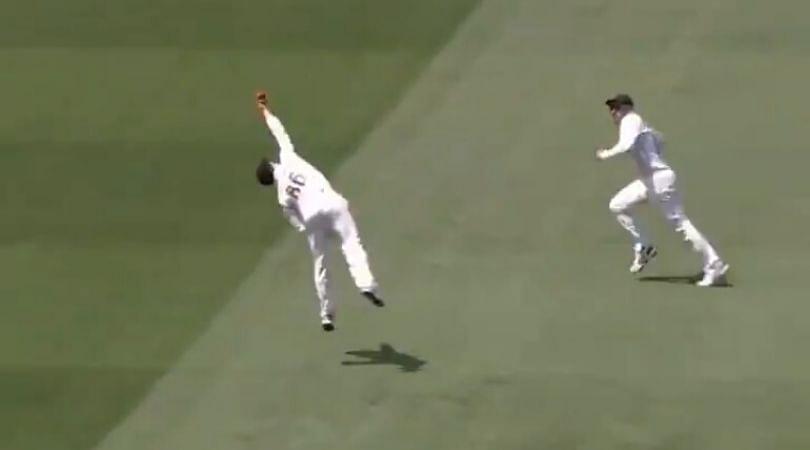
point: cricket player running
(656, 183)
(311, 206)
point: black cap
(619, 100)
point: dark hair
(264, 172)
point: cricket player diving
(656, 183)
(313, 207)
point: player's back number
(298, 181)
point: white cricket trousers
(659, 188)
(337, 222)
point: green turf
(480, 202)
(128, 143)
(488, 226)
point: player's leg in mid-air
(355, 255)
(621, 205)
(318, 244)
(669, 199)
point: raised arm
(274, 124)
(629, 130)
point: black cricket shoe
(372, 297)
(642, 255)
(327, 323)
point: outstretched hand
(261, 101)
(601, 154)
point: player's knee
(617, 206)
(677, 220)
(676, 223)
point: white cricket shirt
(301, 187)
(645, 144)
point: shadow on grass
(681, 279)
(386, 355)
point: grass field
(153, 299)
